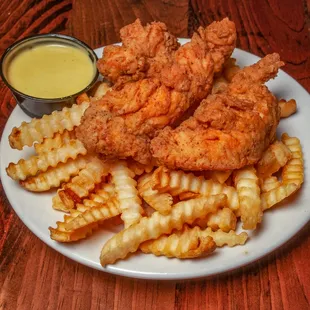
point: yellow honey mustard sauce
(50, 71)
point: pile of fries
(164, 212)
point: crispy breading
(144, 50)
(121, 124)
(228, 130)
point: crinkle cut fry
(85, 182)
(192, 242)
(95, 214)
(222, 238)
(188, 243)
(293, 171)
(270, 184)
(53, 177)
(126, 193)
(275, 157)
(55, 142)
(102, 89)
(38, 129)
(287, 107)
(161, 202)
(292, 175)
(61, 235)
(224, 219)
(271, 198)
(30, 167)
(97, 200)
(246, 182)
(99, 197)
(177, 182)
(220, 176)
(138, 168)
(128, 240)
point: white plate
(278, 226)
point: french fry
(222, 238)
(57, 204)
(30, 167)
(126, 193)
(101, 90)
(47, 126)
(81, 185)
(287, 107)
(219, 176)
(270, 184)
(55, 142)
(96, 214)
(161, 202)
(177, 182)
(128, 240)
(53, 177)
(187, 243)
(82, 98)
(61, 235)
(275, 157)
(188, 195)
(194, 242)
(293, 171)
(224, 219)
(101, 195)
(109, 189)
(138, 168)
(271, 198)
(292, 175)
(246, 182)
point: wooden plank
(33, 276)
(98, 22)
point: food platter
(279, 224)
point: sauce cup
(37, 106)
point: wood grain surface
(33, 276)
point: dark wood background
(33, 276)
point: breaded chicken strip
(228, 130)
(122, 123)
(144, 49)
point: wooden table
(33, 276)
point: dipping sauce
(50, 70)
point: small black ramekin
(37, 107)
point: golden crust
(228, 130)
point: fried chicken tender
(228, 130)
(121, 124)
(145, 51)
